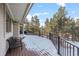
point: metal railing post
(59, 45)
(49, 35)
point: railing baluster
(70, 49)
(73, 50)
(63, 47)
(67, 49)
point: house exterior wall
(3, 34)
(2, 40)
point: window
(8, 23)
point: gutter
(29, 6)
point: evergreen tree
(47, 26)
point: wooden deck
(24, 52)
(34, 46)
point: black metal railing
(64, 47)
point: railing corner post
(59, 45)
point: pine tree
(47, 26)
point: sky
(47, 10)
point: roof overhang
(19, 11)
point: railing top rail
(70, 43)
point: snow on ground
(37, 43)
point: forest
(59, 25)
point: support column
(16, 29)
(23, 29)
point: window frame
(8, 23)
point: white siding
(2, 40)
(3, 35)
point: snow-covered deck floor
(40, 44)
